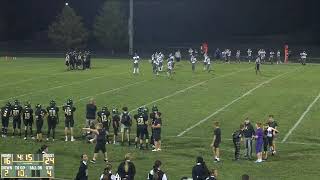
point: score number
(49, 160)
(7, 161)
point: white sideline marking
(57, 87)
(205, 138)
(300, 119)
(229, 104)
(190, 87)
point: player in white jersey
(258, 63)
(161, 57)
(249, 55)
(303, 56)
(238, 56)
(136, 59)
(224, 55)
(228, 55)
(278, 57)
(171, 58)
(193, 62)
(68, 61)
(208, 61)
(271, 56)
(263, 55)
(177, 55)
(169, 68)
(205, 62)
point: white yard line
(110, 90)
(187, 88)
(230, 103)
(26, 80)
(56, 87)
(300, 119)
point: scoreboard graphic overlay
(27, 166)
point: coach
(248, 134)
(91, 112)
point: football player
(205, 62)
(249, 57)
(258, 63)
(193, 63)
(238, 56)
(53, 118)
(27, 116)
(142, 127)
(271, 56)
(103, 117)
(278, 57)
(169, 68)
(40, 114)
(136, 59)
(5, 115)
(303, 56)
(69, 110)
(115, 124)
(152, 117)
(208, 60)
(177, 55)
(16, 111)
(228, 55)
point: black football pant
(26, 124)
(16, 124)
(52, 123)
(236, 149)
(39, 124)
(5, 124)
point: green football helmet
(16, 102)
(52, 103)
(154, 108)
(69, 102)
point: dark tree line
(109, 28)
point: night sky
(173, 20)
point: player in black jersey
(101, 142)
(53, 118)
(152, 117)
(103, 117)
(142, 127)
(68, 110)
(27, 116)
(115, 124)
(16, 111)
(40, 114)
(5, 115)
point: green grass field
(190, 103)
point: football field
(189, 102)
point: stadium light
(67, 4)
(130, 27)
